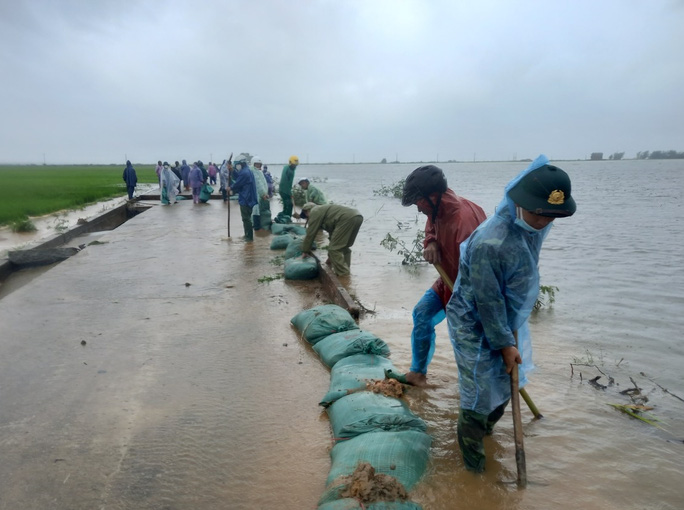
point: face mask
(521, 222)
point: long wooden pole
(230, 159)
(523, 392)
(517, 424)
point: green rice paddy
(38, 190)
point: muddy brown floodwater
(202, 395)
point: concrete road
(154, 371)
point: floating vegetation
(270, 278)
(637, 411)
(277, 261)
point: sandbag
(205, 193)
(294, 249)
(353, 373)
(320, 321)
(282, 228)
(300, 268)
(403, 455)
(280, 242)
(365, 411)
(347, 343)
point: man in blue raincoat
(245, 187)
(131, 179)
(494, 294)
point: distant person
(342, 224)
(158, 169)
(262, 211)
(212, 171)
(245, 187)
(312, 193)
(131, 179)
(205, 174)
(285, 190)
(224, 177)
(176, 169)
(196, 180)
(450, 220)
(168, 184)
(269, 181)
(185, 175)
(494, 294)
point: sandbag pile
(297, 267)
(381, 448)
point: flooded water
(619, 270)
(224, 415)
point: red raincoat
(456, 219)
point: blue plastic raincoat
(494, 294)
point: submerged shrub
(25, 225)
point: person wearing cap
(494, 294)
(342, 224)
(313, 194)
(261, 217)
(450, 220)
(285, 190)
(169, 185)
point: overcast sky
(96, 81)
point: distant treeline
(660, 155)
(640, 155)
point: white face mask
(519, 220)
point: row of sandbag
(289, 237)
(367, 427)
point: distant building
(596, 156)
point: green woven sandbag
(320, 321)
(347, 343)
(282, 228)
(280, 242)
(294, 249)
(297, 229)
(278, 229)
(352, 373)
(353, 504)
(301, 268)
(366, 411)
(403, 455)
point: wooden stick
(530, 404)
(230, 159)
(528, 400)
(517, 424)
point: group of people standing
(194, 178)
(493, 264)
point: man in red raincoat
(451, 220)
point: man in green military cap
(494, 294)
